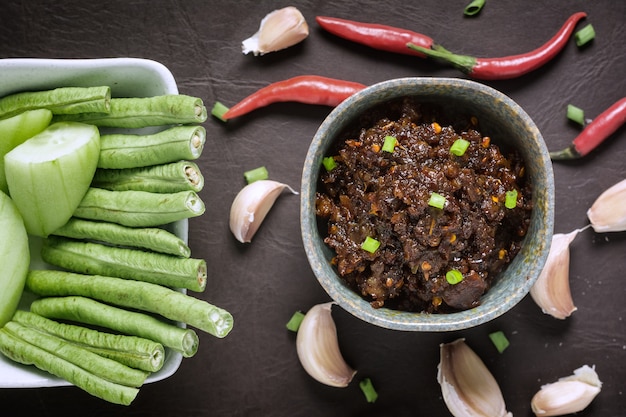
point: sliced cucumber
(14, 258)
(49, 174)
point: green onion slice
(510, 201)
(256, 174)
(454, 276)
(368, 389)
(459, 147)
(584, 35)
(474, 7)
(499, 340)
(370, 244)
(390, 143)
(437, 200)
(329, 163)
(294, 322)
(576, 114)
(218, 110)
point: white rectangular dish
(127, 77)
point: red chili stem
(385, 38)
(509, 66)
(308, 89)
(596, 132)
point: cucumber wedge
(14, 258)
(49, 174)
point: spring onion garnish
(218, 110)
(459, 147)
(390, 143)
(370, 244)
(454, 276)
(368, 389)
(294, 322)
(437, 200)
(474, 7)
(584, 35)
(329, 163)
(256, 174)
(510, 200)
(499, 340)
(576, 114)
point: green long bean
(140, 295)
(132, 264)
(88, 311)
(60, 101)
(139, 208)
(23, 352)
(130, 151)
(151, 238)
(135, 352)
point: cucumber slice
(49, 174)
(15, 130)
(14, 258)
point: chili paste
(385, 196)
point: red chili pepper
(385, 38)
(600, 128)
(509, 66)
(309, 89)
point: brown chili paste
(385, 195)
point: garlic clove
(280, 29)
(251, 205)
(608, 212)
(551, 291)
(468, 388)
(318, 348)
(568, 395)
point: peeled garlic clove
(251, 205)
(551, 291)
(468, 388)
(608, 212)
(280, 29)
(568, 395)
(318, 348)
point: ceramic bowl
(501, 119)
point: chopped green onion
(370, 244)
(510, 200)
(576, 114)
(584, 35)
(390, 143)
(454, 276)
(437, 200)
(294, 322)
(474, 7)
(218, 110)
(256, 174)
(459, 147)
(499, 340)
(329, 163)
(368, 389)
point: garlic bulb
(251, 205)
(551, 291)
(568, 395)
(280, 29)
(468, 388)
(318, 348)
(608, 212)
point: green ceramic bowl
(501, 119)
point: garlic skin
(251, 205)
(608, 212)
(318, 348)
(551, 291)
(468, 388)
(568, 395)
(280, 29)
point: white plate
(127, 77)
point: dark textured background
(255, 370)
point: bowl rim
(352, 302)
